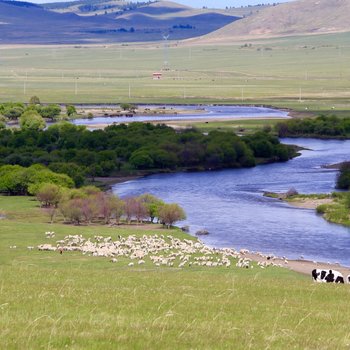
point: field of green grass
(242, 127)
(298, 72)
(53, 301)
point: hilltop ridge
(287, 19)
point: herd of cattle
(329, 276)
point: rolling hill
(22, 22)
(293, 18)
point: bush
(34, 100)
(321, 209)
(171, 213)
(343, 178)
(32, 120)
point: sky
(201, 3)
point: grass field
(241, 127)
(52, 301)
(299, 72)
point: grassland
(298, 72)
(72, 301)
(241, 127)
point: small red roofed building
(157, 75)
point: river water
(230, 205)
(199, 112)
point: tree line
(126, 149)
(320, 127)
(89, 205)
(34, 115)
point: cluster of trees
(34, 115)
(89, 205)
(322, 126)
(343, 178)
(18, 180)
(77, 152)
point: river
(199, 112)
(230, 205)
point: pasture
(302, 73)
(54, 301)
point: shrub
(171, 213)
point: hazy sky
(208, 3)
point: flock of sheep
(157, 249)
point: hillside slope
(28, 23)
(293, 18)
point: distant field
(300, 72)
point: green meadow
(310, 72)
(53, 301)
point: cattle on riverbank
(327, 276)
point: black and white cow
(327, 276)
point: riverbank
(301, 266)
(334, 207)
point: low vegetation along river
(230, 204)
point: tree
(109, 206)
(32, 120)
(50, 111)
(89, 208)
(71, 209)
(34, 100)
(13, 113)
(71, 110)
(343, 178)
(140, 159)
(128, 107)
(49, 195)
(171, 213)
(134, 209)
(152, 204)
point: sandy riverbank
(309, 203)
(302, 266)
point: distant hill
(28, 23)
(293, 18)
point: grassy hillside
(292, 18)
(306, 73)
(26, 23)
(74, 301)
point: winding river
(230, 205)
(199, 113)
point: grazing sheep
(167, 251)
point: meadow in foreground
(54, 301)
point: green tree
(171, 213)
(71, 110)
(50, 111)
(343, 178)
(34, 100)
(32, 120)
(49, 194)
(152, 204)
(13, 113)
